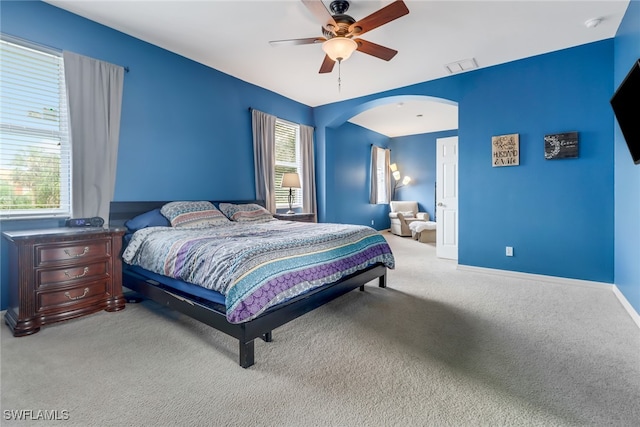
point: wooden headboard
(120, 212)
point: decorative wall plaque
(561, 145)
(505, 150)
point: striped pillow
(249, 212)
(193, 214)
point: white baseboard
(627, 306)
(559, 280)
(537, 277)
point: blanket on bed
(256, 266)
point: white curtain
(376, 152)
(308, 170)
(94, 93)
(264, 157)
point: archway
(343, 160)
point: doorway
(447, 197)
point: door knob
(441, 204)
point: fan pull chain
(339, 79)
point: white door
(447, 197)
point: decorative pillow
(408, 214)
(249, 212)
(152, 218)
(193, 214)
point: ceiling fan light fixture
(339, 48)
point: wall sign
(505, 150)
(561, 145)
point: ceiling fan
(339, 31)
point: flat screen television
(626, 107)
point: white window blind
(35, 153)
(287, 161)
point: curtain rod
(39, 46)
(299, 124)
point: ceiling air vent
(462, 65)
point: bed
(244, 277)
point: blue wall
(348, 177)
(627, 175)
(557, 214)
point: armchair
(404, 213)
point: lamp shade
(406, 180)
(396, 175)
(339, 48)
(393, 167)
(290, 180)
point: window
(287, 161)
(380, 167)
(35, 153)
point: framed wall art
(505, 150)
(561, 146)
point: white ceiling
(233, 37)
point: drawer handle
(84, 273)
(86, 291)
(84, 252)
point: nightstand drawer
(64, 299)
(77, 251)
(54, 277)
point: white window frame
(19, 124)
(297, 165)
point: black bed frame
(213, 314)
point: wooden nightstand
(301, 217)
(62, 273)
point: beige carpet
(438, 347)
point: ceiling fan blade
(375, 50)
(387, 14)
(319, 10)
(327, 65)
(294, 42)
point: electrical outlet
(509, 251)
(372, 222)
